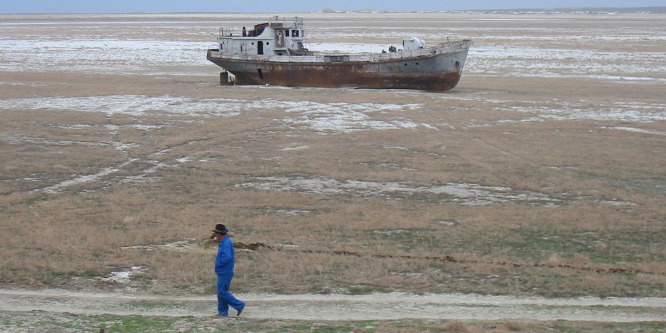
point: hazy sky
(279, 6)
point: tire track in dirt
(391, 306)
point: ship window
(294, 33)
(286, 33)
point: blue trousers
(224, 298)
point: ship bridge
(278, 37)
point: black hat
(220, 229)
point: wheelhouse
(275, 38)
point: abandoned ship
(274, 53)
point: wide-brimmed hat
(220, 229)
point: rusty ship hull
(435, 69)
(274, 53)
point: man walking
(224, 268)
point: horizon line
(354, 11)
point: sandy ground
(343, 307)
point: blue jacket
(224, 263)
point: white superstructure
(278, 37)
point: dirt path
(342, 307)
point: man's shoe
(239, 312)
(221, 315)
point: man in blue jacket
(224, 268)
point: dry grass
(83, 229)
(609, 187)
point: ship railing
(291, 23)
(402, 54)
(229, 32)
